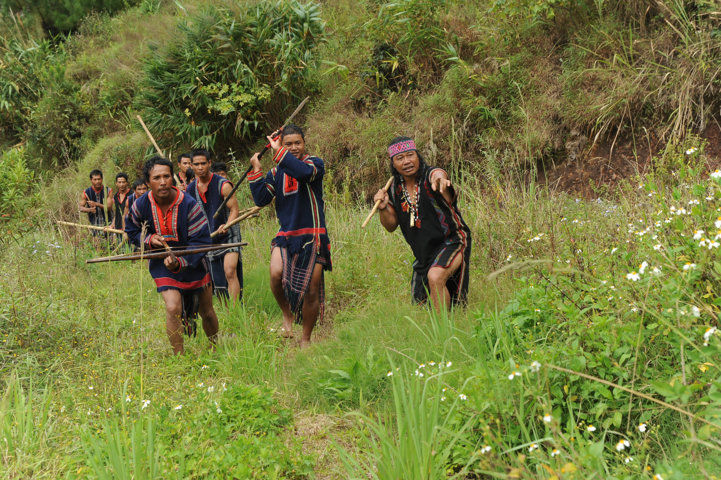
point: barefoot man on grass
(300, 252)
(94, 202)
(209, 189)
(422, 201)
(174, 219)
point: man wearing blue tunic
(172, 218)
(209, 190)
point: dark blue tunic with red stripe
(184, 225)
(297, 186)
(210, 200)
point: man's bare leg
(276, 286)
(207, 313)
(173, 325)
(230, 265)
(311, 305)
(437, 278)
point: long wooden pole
(91, 227)
(265, 149)
(142, 123)
(378, 202)
(250, 213)
(163, 254)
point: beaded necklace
(410, 205)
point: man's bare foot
(304, 343)
(285, 333)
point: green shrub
(231, 73)
(16, 180)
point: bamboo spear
(91, 227)
(250, 213)
(163, 254)
(265, 149)
(378, 202)
(142, 123)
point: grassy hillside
(589, 348)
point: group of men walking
(182, 210)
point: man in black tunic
(422, 201)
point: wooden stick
(163, 254)
(375, 207)
(91, 227)
(250, 213)
(157, 148)
(265, 149)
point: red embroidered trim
(302, 231)
(171, 282)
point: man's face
(141, 190)
(122, 184)
(406, 163)
(295, 144)
(161, 182)
(96, 181)
(201, 166)
(184, 164)
(222, 173)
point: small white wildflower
(448, 364)
(657, 247)
(463, 396)
(201, 385)
(443, 399)
(691, 151)
(695, 311)
(708, 334)
(547, 418)
(689, 266)
(128, 399)
(693, 202)
(628, 460)
(633, 276)
(642, 427)
(613, 250)
(211, 389)
(485, 449)
(145, 404)
(642, 267)
(715, 174)
(535, 366)
(389, 374)
(555, 452)
(713, 244)
(514, 375)
(657, 476)
(178, 407)
(717, 223)
(622, 445)
(224, 389)
(203, 367)
(590, 428)
(509, 257)
(656, 271)
(90, 387)
(533, 447)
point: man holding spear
(423, 202)
(209, 190)
(166, 218)
(94, 201)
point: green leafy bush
(230, 65)
(16, 179)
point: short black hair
(138, 182)
(292, 129)
(184, 155)
(153, 162)
(123, 175)
(219, 167)
(95, 172)
(200, 152)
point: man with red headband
(423, 202)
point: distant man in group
(173, 218)
(423, 202)
(221, 169)
(185, 171)
(300, 252)
(209, 190)
(118, 201)
(94, 202)
(139, 189)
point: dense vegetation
(592, 351)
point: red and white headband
(400, 147)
